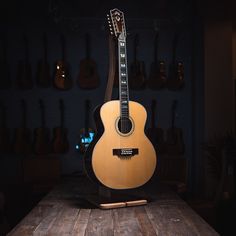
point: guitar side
(115, 171)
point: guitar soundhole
(125, 125)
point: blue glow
(85, 140)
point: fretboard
(123, 79)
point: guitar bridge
(125, 152)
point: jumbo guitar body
(120, 156)
(114, 170)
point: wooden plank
(100, 223)
(81, 222)
(48, 220)
(167, 219)
(199, 224)
(144, 222)
(61, 223)
(126, 223)
(30, 222)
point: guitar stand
(110, 199)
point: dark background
(206, 45)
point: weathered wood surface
(64, 212)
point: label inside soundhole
(125, 125)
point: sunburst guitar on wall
(121, 156)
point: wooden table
(64, 212)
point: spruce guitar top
(120, 156)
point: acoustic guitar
(24, 73)
(42, 134)
(62, 78)
(5, 81)
(137, 69)
(157, 77)
(88, 77)
(176, 71)
(5, 143)
(156, 134)
(86, 134)
(43, 72)
(121, 156)
(23, 143)
(60, 143)
(174, 142)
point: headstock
(116, 23)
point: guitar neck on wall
(5, 81)
(120, 156)
(86, 134)
(24, 74)
(62, 80)
(157, 77)
(174, 142)
(60, 143)
(43, 73)
(23, 144)
(176, 73)
(155, 134)
(42, 135)
(88, 75)
(137, 69)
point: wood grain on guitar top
(119, 172)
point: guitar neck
(45, 47)
(123, 81)
(87, 43)
(156, 48)
(24, 111)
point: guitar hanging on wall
(157, 77)
(88, 75)
(121, 156)
(175, 79)
(24, 73)
(137, 69)
(43, 72)
(62, 78)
